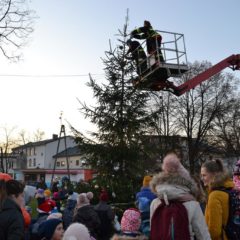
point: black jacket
(106, 216)
(11, 221)
(89, 217)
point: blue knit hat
(47, 228)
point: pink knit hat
(84, 199)
(236, 180)
(236, 175)
(172, 164)
(131, 220)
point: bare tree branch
(16, 24)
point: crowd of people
(170, 205)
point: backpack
(170, 222)
(232, 229)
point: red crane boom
(232, 61)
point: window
(34, 162)
(28, 151)
(30, 162)
(58, 164)
(31, 151)
(62, 163)
(77, 162)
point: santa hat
(76, 231)
(47, 206)
(131, 220)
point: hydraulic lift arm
(232, 61)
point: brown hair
(11, 187)
(14, 187)
(214, 166)
(200, 194)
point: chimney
(54, 136)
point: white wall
(51, 150)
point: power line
(49, 75)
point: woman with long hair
(11, 218)
(215, 178)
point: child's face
(58, 234)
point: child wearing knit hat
(84, 213)
(51, 229)
(146, 180)
(130, 225)
(77, 231)
(143, 201)
(84, 199)
(172, 164)
(47, 193)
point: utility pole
(62, 131)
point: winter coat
(106, 217)
(143, 202)
(150, 35)
(11, 221)
(217, 208)
(68, 212)
(147, 193)
(176, 187)
(89, 217)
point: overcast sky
(71, 36)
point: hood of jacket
(222, 180)
(172, 186)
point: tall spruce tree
(116, 151)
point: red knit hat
(104, 196)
